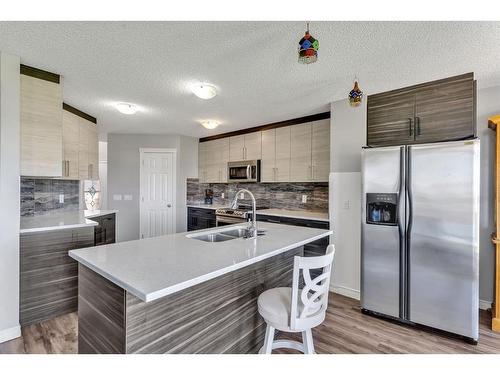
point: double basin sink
(223, 235)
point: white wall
(9, 196)
(123, 176)
(348, 135)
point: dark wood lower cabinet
(48, 276)
(216, 316)
(105, 231)
(200, 218)
(311, 249)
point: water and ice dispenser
(381, 208)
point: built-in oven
(243, 171)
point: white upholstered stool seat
(297, 310)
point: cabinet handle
(312, 172)
(410, 127)
(417, 125)
(67, 168)
(64, 168)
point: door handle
(410, 127)
(417, 125)
(169, 205)
(248, 172)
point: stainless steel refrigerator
(420, 234)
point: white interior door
(157, 193)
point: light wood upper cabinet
(237, 148)
(275, 162)
(213, 157)
(268, 161)
(295, 153)
(93, 150)
(320, 150)
(245, 147)
(41, 127)
(71, 137)
(253, 146)
(300, 150)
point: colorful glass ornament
(355, 95)
(308, 48)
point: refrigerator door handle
(409, 223)
(402, 228)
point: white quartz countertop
(61, 220)
(307, 215)
(156, 267)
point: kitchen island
(181, 294)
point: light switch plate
(117, 197)
(347, 205)
(304, 198)
(61, 198)
(222, 195)
(127, 197)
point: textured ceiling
(254, 65)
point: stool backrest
(309, 304)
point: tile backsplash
(284, 195)
(39, 196)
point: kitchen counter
(306, 215)
(61, 220)
(156, 267)
(208, 206)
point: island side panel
(101, 314)
(217, 316)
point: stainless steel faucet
(252, 227)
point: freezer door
(381, 231)
(443, 241)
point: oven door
(221, 220)
(244, 171)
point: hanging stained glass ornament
(355, 95)
(308, 48)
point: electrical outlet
(117, 197)
(127, 197)
(347, 205)
(222, 195)
(304, 198)
(61, 198)
(242, 195)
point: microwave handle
(248, 172)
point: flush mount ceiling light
(204, 90)
(210, 124)
(126, 108)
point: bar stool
(297, 310)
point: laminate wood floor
(345, 330)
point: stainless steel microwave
(243, 171)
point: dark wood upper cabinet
(437, 111)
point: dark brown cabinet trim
(79, 113)
(40, 74)
(274, 125)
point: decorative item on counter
(355, 95)
(91, 190)
(308, 48)
(209, 196)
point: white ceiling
(254, 65)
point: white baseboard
(10, 333)
(348, 292)
(484, 305)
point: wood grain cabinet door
(93, 151)
(41, 127)
(445, 110)
(71, 135)
(283, 145)
(268, 161)
(321, 150)
(237, 148)
(390, 118)
(202, 161)
(300, 150)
